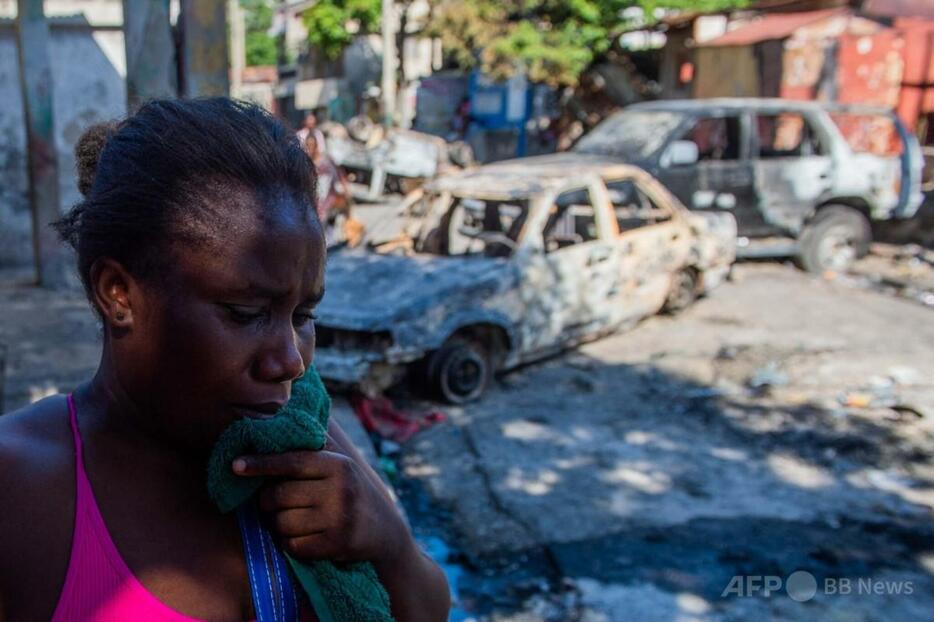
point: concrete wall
(88, 82)
(15, 228)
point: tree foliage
(327, 22)
(260, 45)
(552, 40)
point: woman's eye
(303, 317)
(244, 315)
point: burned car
(803, 179)
(500, 267)
(377, 162)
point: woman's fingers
(300, 522)
(290, 464)
(300, 493)
(315, 546)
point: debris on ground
(902, 270)
(379, 416)
(766, 377)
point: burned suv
(802, 179)
(500, 266)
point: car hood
(370, 291)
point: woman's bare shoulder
(29, 435)
(36, 461)
(37, 497)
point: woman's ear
(113, 287)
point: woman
(199, 248)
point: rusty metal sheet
(726, 72)
(802, 63)
(917, 93)
(870, 68)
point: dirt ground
(783, 424)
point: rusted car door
(571, 282)
(793, 168)
(653, 244)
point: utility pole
(35, 75)
(204, 68)
(237, 46)
(388, 23)
(151, 71)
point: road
(784, 423)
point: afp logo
(800, 586)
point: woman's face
(232, 327)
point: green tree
(332, 24)
(260, 45)
(552, 40)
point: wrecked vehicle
(803, 179)
(498, 268)
(397, 161)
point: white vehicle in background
(803, 179)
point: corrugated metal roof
(899, 8)
(772, 26)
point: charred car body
(393, 162)
(802, 179)
(499, 267)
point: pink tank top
(99, 586)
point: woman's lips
(264, 410)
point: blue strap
(274, 598)
(288, 602)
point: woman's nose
(282, 360)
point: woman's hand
(330, 504)
(323, 505)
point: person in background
(310, 128)
(333, 196)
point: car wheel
(683, 291)
(834, 240)
(460, 371)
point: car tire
(460, 371)
(683, 291)
(834, 239)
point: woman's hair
(173, 172)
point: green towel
(344, 593)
